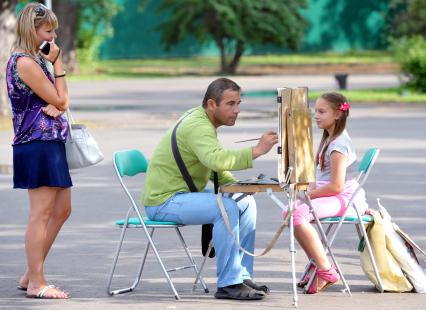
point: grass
(364, 57)
(379, 95)
(209, 65)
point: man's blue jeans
(201, 208)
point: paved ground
(137, 114)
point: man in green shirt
(167, 197)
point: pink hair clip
(345, 106)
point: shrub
(411, 55)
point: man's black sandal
(238, 291)
(262, 288)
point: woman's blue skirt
(40, 163)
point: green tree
(233, 25)
(83, 26)
(406, 18)
(407, 32)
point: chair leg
(111, 275)
(328, 249)
(307, 269)
(373, 260)
(138, 277)
(327, 245)
(311, 261)
(358, 230)
(157, 255)
(198, 277)
(191, 259)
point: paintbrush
(247, 140)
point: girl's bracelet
(56, 58)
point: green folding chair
(335, 223)
(130, 163)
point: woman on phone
(38, 99)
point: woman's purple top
(29, 121)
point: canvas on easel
(295, 136)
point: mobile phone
(45, 47)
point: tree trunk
(7, 36)
(236, 59)
(221, 47)
(67, 13)
(231, 67)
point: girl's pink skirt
(331, 206)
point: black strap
(179, 161)
(181, 165)
(216, 182)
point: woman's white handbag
(81, 148)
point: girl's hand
(52, 111)
(53, 53)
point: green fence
(334, 25)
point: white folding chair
(334, 223)
(130, 163)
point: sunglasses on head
(40, 11)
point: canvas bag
(402, 248)
(393, 278)
(81, 148)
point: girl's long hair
(335, 101)
(31, 17)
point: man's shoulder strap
(181, 164)
(179, 160)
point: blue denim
(201, 208)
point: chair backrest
(367, 162)
(130, 162)
(368, 159)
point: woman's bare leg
(43, 227)
(60, 214)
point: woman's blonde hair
(31, 17)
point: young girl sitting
(335, 183)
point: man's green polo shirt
(200, 150)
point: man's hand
(52, 111)
(267, 141)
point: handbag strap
(70, 121)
